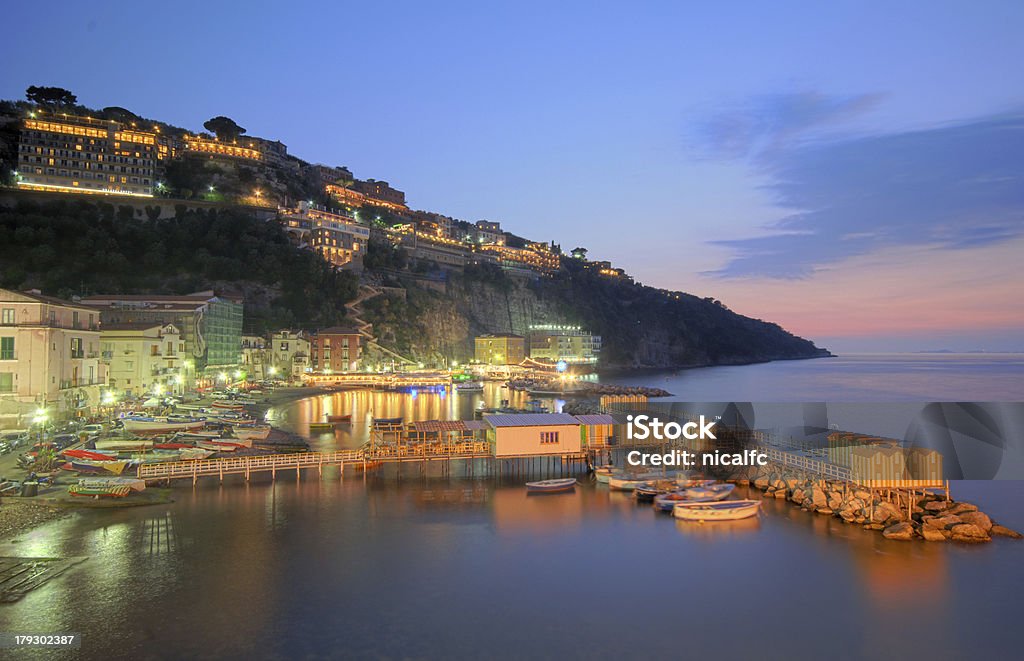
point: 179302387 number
(19, 640)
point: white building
(49, 356)
(518, 434)
(144, 357)
(289, 354)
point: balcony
(81, 383)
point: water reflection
(365, 405)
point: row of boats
(686, 498)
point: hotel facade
(65, 153)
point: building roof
(530, 419)
(448, 425)
(132, 326)
(596, 419)
(338, 330)
(499, 335)
(9, 295)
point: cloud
(949, 187)
(772, 123)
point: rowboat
(251, 433)
(158, 425)
(173, 446)
(336, 419)
(118, 445)
(687, 482)
(646, 491)
(627, 482)
(227, 406)
(217, 447)
(89, 455)
(89, 466)
(105, 482)
(195, 454)
(602, 474)
(387, 421)
(321, 426)
(551, 486)
(729, 510)
(116, 491)
(711, 492)
(470, 386)
(667, 501)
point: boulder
(943, 522)
(761, 482)
(824, 510)
(781, 493)
(902, 531)
(862, 495)
(976, 518)
(874, 526)
(937, 505)
(968, 533)
(960, 508)
(931, 534)
(1003, 531)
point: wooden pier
(248, 465)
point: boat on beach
(251, 433)
(115, 491)
(551, 486)
(132, 483)
(119, 445)
(160, 425)
(105, 466)
(730, 510)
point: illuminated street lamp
(272, 371)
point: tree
(224, 127)
(50, 96)
(119, 114)
(579, 253)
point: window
(76, 347)
(548, 437)
(8, 316)
(6, 348)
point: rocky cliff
(640, 326)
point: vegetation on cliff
(78, 247)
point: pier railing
(248, 464)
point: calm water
(436, 568)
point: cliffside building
(500, 349)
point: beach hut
(533, 434)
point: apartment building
(552, 343)
(336, 349)
(335, 235)
(143, 357)
(500, 349)
(49, 356)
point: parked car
(92, 429)
(62, 441)
(4, 447)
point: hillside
(69, 247)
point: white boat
(629, 481)
(107, 482)
(470, 386)
(603, 474)
(666, 502)
(551, 486)
(118, 444)
(195, 454)
(251, 433)
(711, 492)
(159, 425)
(729, 510)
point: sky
(852, 171)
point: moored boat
(628, 481)
(603, 474)
(645, 492)
(337, 419)
(667, 501)
(470, 386)
(551, 486)
(321, 426)
(729, 510)
(711, 492)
